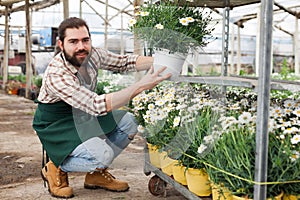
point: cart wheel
(156, 186)
(147, 173)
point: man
(80, 130)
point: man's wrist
(108, 102)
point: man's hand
(118, 99)
(151, 79)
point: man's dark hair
(72, 22)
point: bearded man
(80, 130)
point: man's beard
(73, 60)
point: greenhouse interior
(229, 116)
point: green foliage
(285, 73)
(234, 155)
(104, 87)
(21, 78)
(100, 87)
(242, 72)
(38, 80)
(193, 135)
(233, 158)
(281, 168)
(284, 69)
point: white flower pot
(173, 62)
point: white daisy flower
(144, 13)
(184, 21)
(295, 156)
(141, 129)
(190, 19)
(295, 139)
(288, 103)
(176, 121)
(276, 112)
(201, 148)
(290, 130)
(271, 125)
(245, 118)
(159, 102)
(229, 121)
(132, 22)
(208, 139)
(159, 26)
(297, 112)
(151, 106)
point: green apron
(61, 128)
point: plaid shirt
(61, 83)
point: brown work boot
(58, 184)
(103, 179)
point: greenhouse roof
(19, 5)
(8, 2)
(221, 3)
(243, 13)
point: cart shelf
(157, 184)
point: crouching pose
(80, 130)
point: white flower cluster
(285, 122)
(167, 100)
(181, 104)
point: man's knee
(108, 155)
(129, 125)
(103, 154)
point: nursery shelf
(219, 3)
(247, 82)
(158, 182)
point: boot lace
(106, 174)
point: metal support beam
(257, 47)
(138, 48)
(262, 134)
(66, 8)
(80, 8)
(115, 8)
(28, 51)
(286, 9)
(296, 47)
(122, 37)
(105, 25)
(95, 10)
(231, 71)
(121, 11)
(225, 41)
(239, 53)
(6, 50)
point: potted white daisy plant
(172, 30)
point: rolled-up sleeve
(114, 62)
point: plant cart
(157, 184)
(262, 85)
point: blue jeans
(99, 152)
